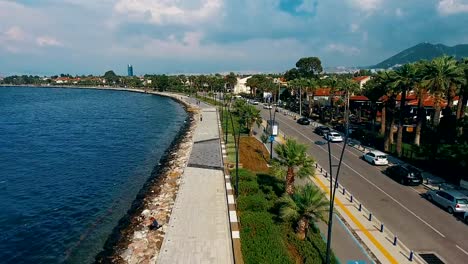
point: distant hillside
(423, 51)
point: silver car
(455, 202)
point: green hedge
(261, 239)
(313, 249)
(254, 203)
(248, 188)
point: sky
(47, 37)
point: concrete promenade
(199, 228)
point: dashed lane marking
(464, 251)
(373, 184)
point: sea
(71, 163)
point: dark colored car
(322, 130)
(406, 175)
(303, 121)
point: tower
(130, 70)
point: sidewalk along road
(421, 225)
(345, 246)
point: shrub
(248, 188)
(254, 203)
(244, 175)
(261, 239)
(313, 249)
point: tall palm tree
(441, 74)
(388, 110)
(249, 115)
(305, 206)
(421, 91)
(292, 160)
(463, 96)
(404, 81)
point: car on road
(267, 106)
(405, 174)
(303, 121)
(376, 158)
(333, 137)
(453, 201)
(322, 130)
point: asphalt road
(421, 225)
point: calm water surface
(72, 161)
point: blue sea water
(71, 163)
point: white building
(241, 86)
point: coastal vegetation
(416, 111)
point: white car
(376, 158)
(267, 106)
(333, 137)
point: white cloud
(450, 7)
(399, 12)
(306, 6)
(168, 11)
(341, 48)
(15, 33)
(354, 27)
(366, 5)
(44, 41)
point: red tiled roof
(322, 92)
(428, 102)
(360, 78)
(358, 98)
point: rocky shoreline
(132, 241)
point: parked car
(376, 158)
(454, 202)
(333, 137)
(406, 175)
(267, 106)
(465, 217)
(303, 121)
(322, 130)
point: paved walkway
(199, 229)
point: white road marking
(377, 187)
(464, 251)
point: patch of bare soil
(253, 155)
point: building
(130, 70)
(241, 86)
(361, 80)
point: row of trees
(305, 205)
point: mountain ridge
(423, 51)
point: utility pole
(334, 187)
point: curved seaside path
(199, 229)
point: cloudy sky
(204, 36)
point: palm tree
(421, 91)
(388, 110)
(463, 96)
(441, 74)
(404, 80)
(231, 81)
(306, 206)
(292, 160)
(249, 115)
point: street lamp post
(334, 186)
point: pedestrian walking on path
(201, 117)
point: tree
(292, 160)
(306, 206)
(374, 89)
(441, 73)
(309, 67)
(403, 81)
(388, 111)
(463, 97)
(421, 91)
(231, 81)
(111, 77)
(292, 74)
(248, 116)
